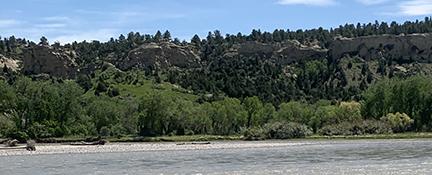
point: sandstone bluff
(405, 50)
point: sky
(77, 20)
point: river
(298, 157)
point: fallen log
(195, 143)
(100, 142)
(29, 147)
(13, 148)
(11, 143)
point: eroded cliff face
(46, 60)
(10, 63)
(283, 53)
(160, 55)
(401, 48)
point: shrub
(19, 135)
(356, 128)
(284, 130)
(399, 122)
(113, 92)
(6, 125)
(104, 131)
(277, 130)
(41, 130)
(117, 131)
(256, 133)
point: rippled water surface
(307, 157)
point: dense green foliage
(56, 108)
(412, 96)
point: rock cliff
(9, 63)
(161, 55)
(283, 53)
(46, 60)
(401, 48)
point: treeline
(57, 108)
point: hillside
(369, 79)
(277, 67)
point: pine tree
(43, 41)
(167, 36)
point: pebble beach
(141, 147)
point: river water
(302, 157)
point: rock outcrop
(400, 48)
(161, 55)
(283, 53)
(46, 60)
(12, 64)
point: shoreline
(205, 138)
(124, 147)
(185, 143)
(56, 148)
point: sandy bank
(136, 147)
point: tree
(167, 36)
(254, 108)
(154, 112)
(196, 41)
(43, 41)
(294, 112)
(8, 98)
(158, 36)
(228, 116)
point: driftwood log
(100, 142)
(13, 145)
(195, 143)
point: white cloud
(51, 25)
(56, 18)
(4, 23)
(100, 35)
(308, 2)
(416, 7)
(372, 2)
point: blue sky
(68, 20)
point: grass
(149, 87)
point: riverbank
(202, 138)
(178, 143)
(56, 148)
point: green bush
(399, 122)
(277, 130)
(40, 130)
(284, 130)
(19, 135)
(117, 131)
(6, 125)
(80, 130)
(105, 131)
(356, 128)
(256, 133)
